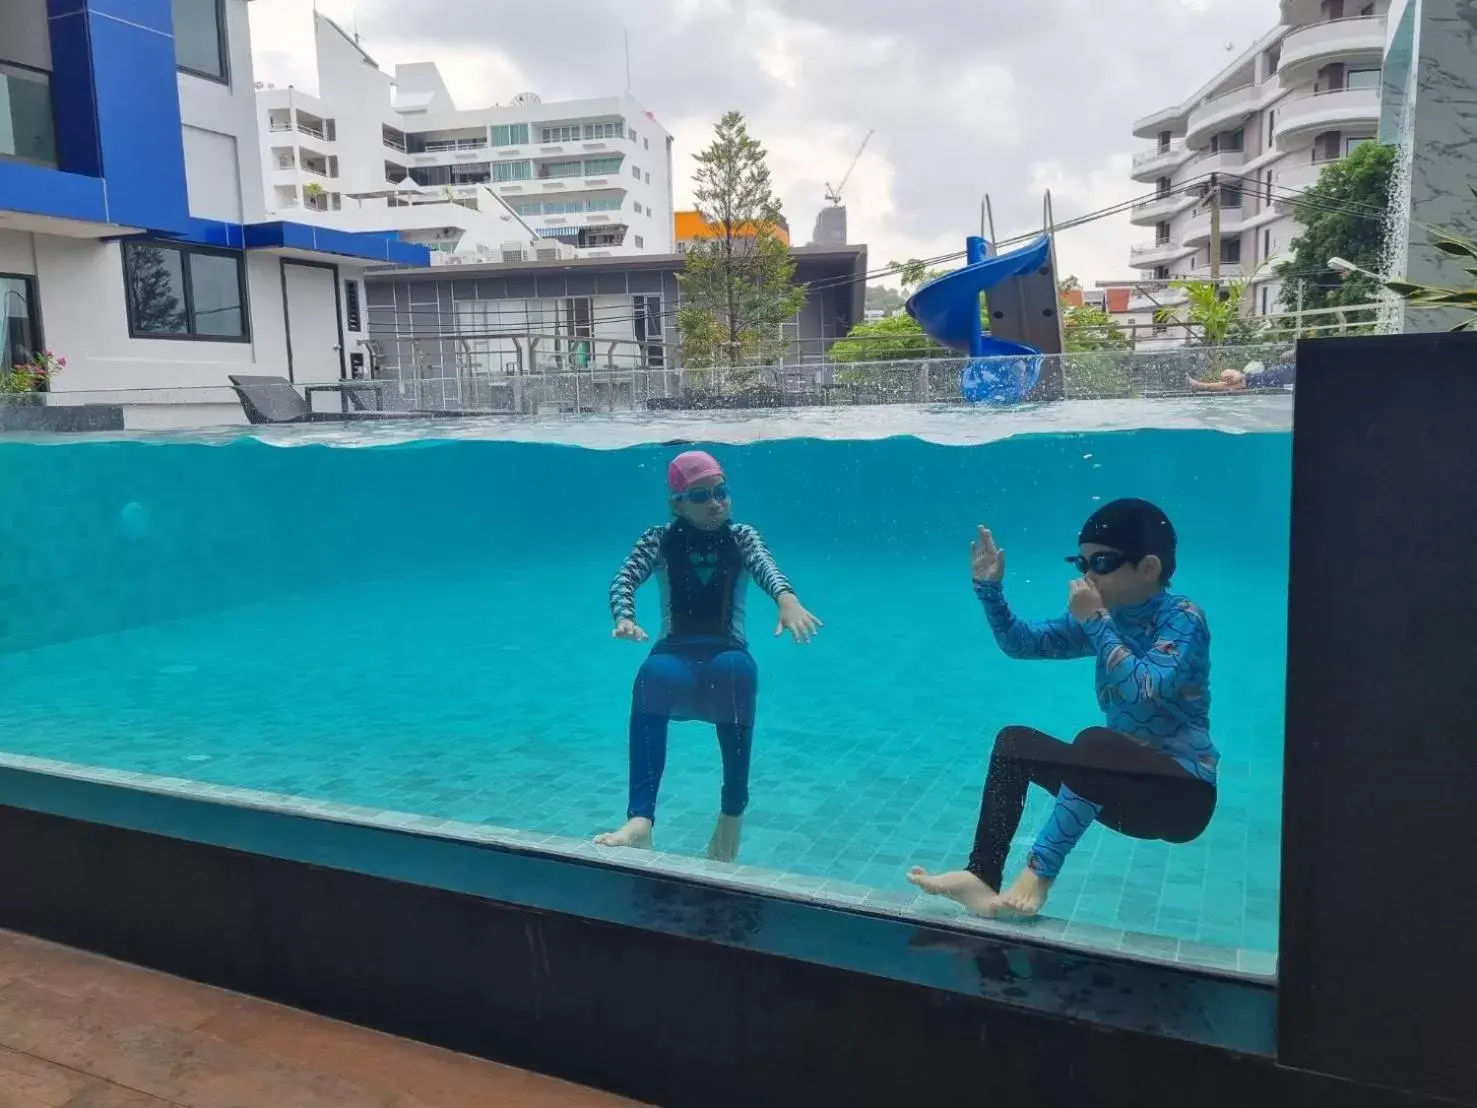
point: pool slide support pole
(976, 250)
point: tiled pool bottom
(511, 715)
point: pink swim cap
(689, 467)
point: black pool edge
(668, 992)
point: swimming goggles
(1102, 563)
(703, 495)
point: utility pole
(1215, 230)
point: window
(1161, 234)
(1266, 249)
(510, 134)
(1165, 139)
(1267, 186)
(1362, 78)
(604, 204)
(19, 335)
(184, 292)
(200, 38)
(533, 208)
(640, 243)
(603, 130)
(352, 318)
(636, 172)
(1161, 187)
(646, 143)
(648, 178)
(1161, 273)
(577, 317)
(512, 171)
(27, 129)
(1231, 251)
(1350, 145)
(647, 322)
(633, 134)
(560, 169)
(598, 167)
(1265, 290)
(560, 134)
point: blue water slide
(948, 310)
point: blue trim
(37, 190)
(378, 246)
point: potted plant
(25, 382)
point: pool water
(422, 627)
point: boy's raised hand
(986, 560)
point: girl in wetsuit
(700, 667)
(1151, 772)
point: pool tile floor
(504, 712)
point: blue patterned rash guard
(703, 576)
(1153, 668)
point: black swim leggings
(1144, 793)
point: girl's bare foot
(724, 845)
(1026, 897)
(961, 885)
(636, 833)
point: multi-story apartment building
(134, 238)
(1265, 126)
(593, 175)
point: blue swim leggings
(715, 684)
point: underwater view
(423, 625)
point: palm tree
(1214, 309)
(1434, 296)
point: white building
(1267, 124)
(593, 175)
(134, 237)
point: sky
(967, 97)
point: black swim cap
(1137, 529)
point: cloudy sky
(1009, 97)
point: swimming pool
(381, 619)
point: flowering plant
(33, 376)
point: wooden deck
(79, 1031)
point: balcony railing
(446, 146)
(27, 128)
(279, 125)
(1153, 154)
(394, 144)
(310, 129)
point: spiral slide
(948, 310)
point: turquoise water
(422, 627)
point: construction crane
(834, 194)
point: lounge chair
(274, 400)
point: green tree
(1088, 327)
(1435, 296)
(881, 298)
(1214, 313)
(1342, 217)
(894, 339)
(738, 287)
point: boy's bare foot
(1026, 897)
(636, 833)
(961, 885)
(724, 845)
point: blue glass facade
(120, 149)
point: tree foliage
(1214, 312)
(738, 286)
(894, 339)
(155, 290)
(1342, 217)
(1088, 327)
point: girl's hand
(629, 629)
(986, 560)
(796, 620)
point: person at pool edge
(1151, 772)
(700, 666)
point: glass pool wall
(423, 627)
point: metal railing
(1144, 157)
(1094, 375)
